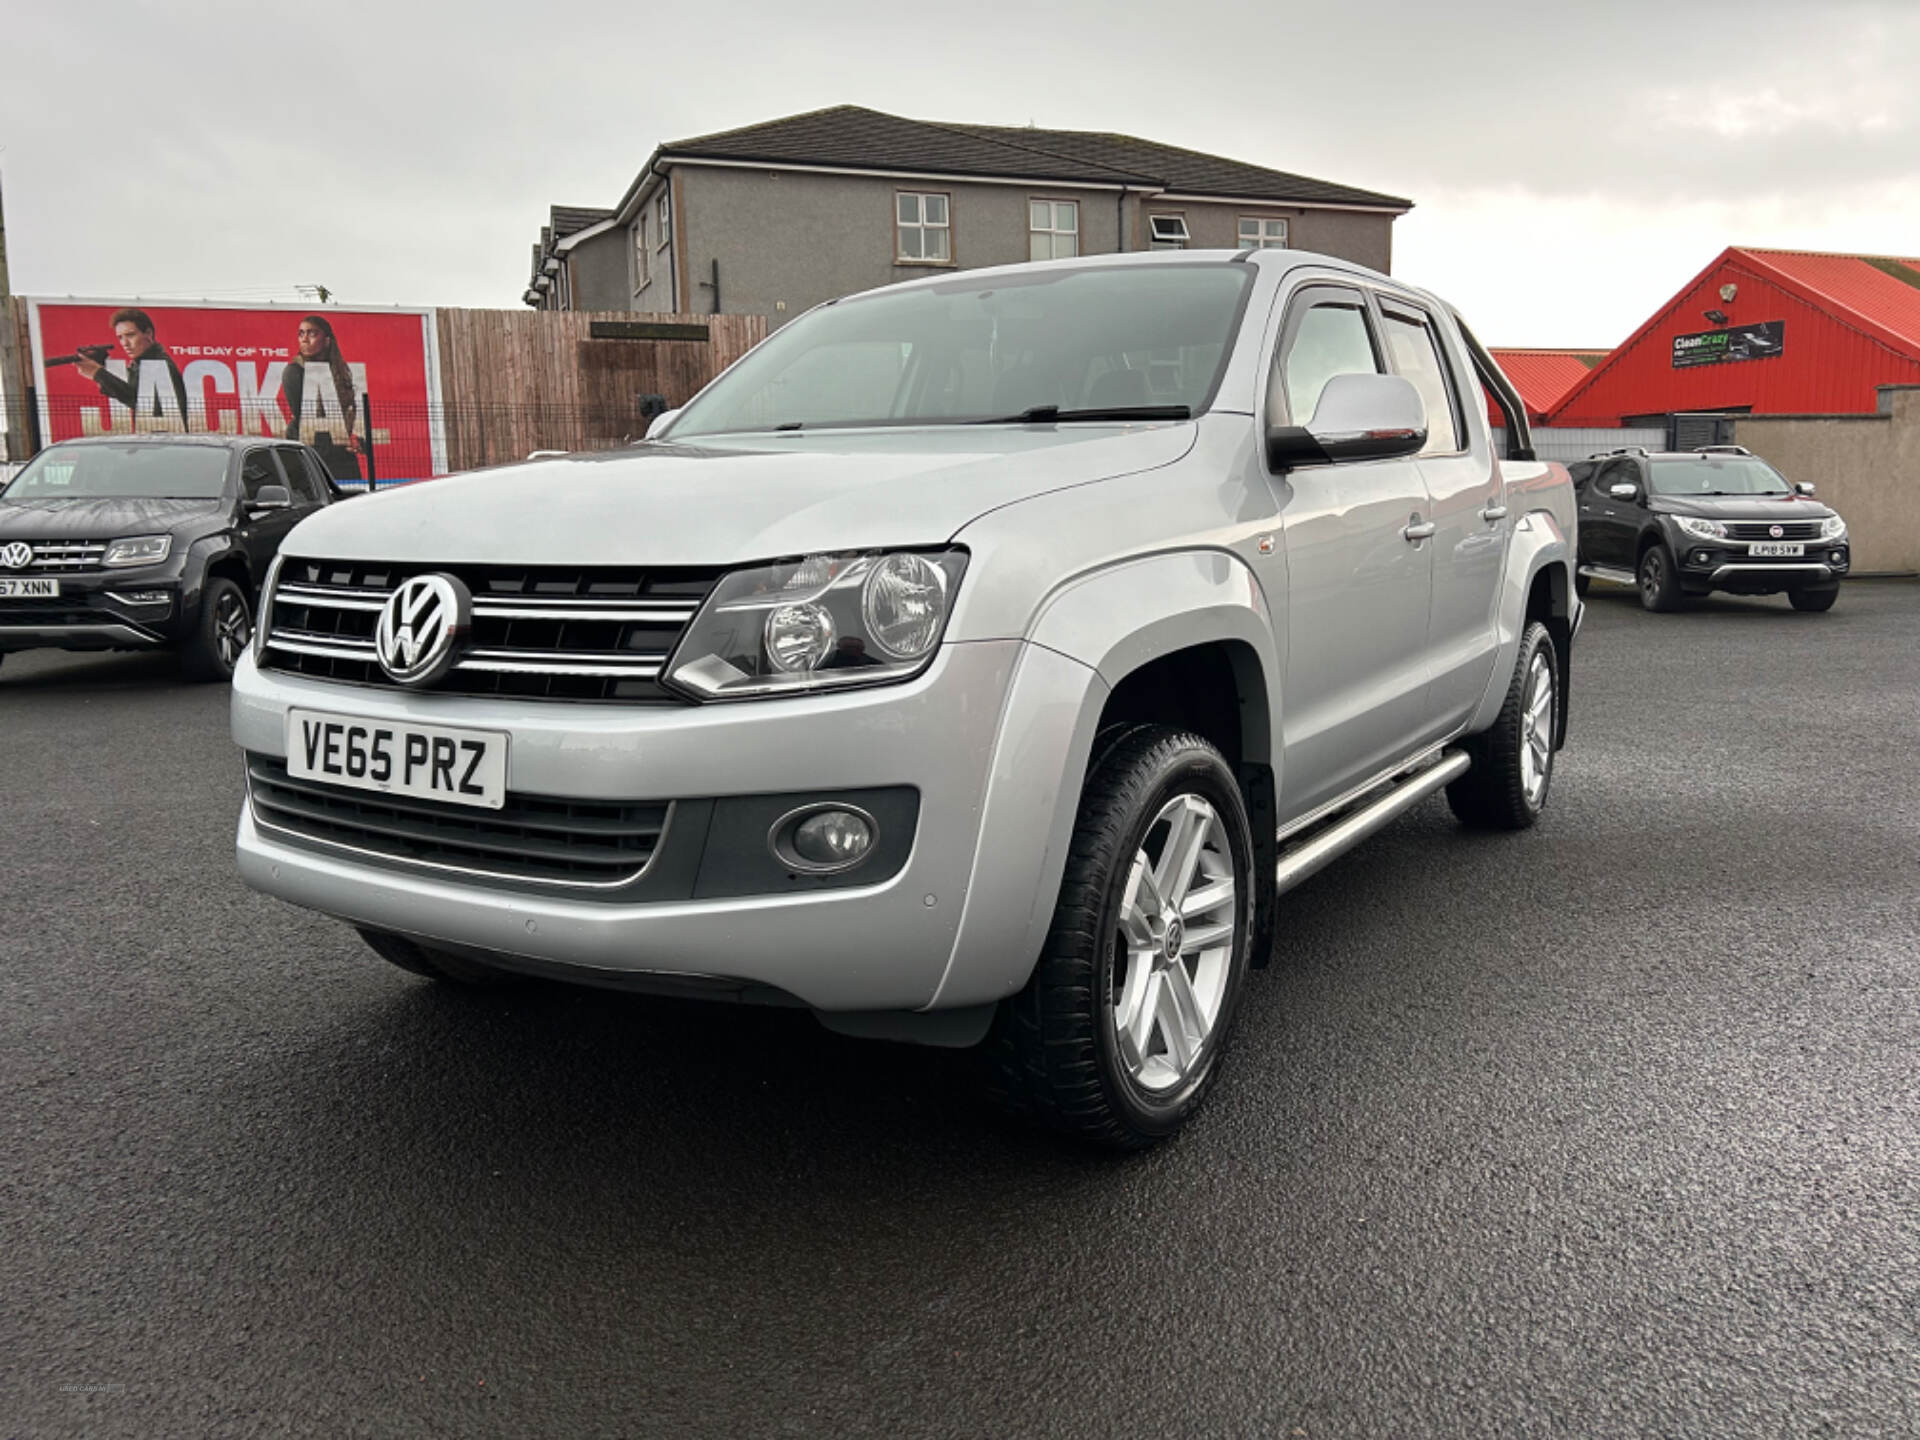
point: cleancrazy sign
(1761, 341)
(360, 386)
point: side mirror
(1624, 491)
(271, 497)
(1803, 487)
(660, 422)
(1359, 417)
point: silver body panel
(1095, 548)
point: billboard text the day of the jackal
(360, 386)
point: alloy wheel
(1174, 943)
(1536, 731)
(231, 628)
(1652, 576)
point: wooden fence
(515, 381)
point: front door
(1611, 525)
(1359, 575)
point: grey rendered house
(774, 218)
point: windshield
(130, 471)
(1717, 475)
(1110, 340)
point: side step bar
(1609, 572)
(1311, 855)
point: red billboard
(360, 386)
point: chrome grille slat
(67, 555)
(539, 632)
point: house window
(922, 229)
(1257, 233)
(1167, 232)
(1053, 227)
(663, 233)
(640, 253)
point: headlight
(263, 621)
(141, 550)
(1701, 529)
(1832, 528)
(825, 622)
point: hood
(742, 499)
(1740, 507)
(46, 518)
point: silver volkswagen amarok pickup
(977, 662)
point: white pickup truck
(977, 662)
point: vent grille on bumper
(547, 633)
(1763, 530)
(567, 842)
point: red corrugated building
(1543, 376)
(1766, 332)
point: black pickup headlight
(824, 622)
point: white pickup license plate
(1776, 549)
(29, 589)
(399, 757)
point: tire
(1813, 599)
(1659, 579)
(1581, 583)
(1512, 770)
(419, 959)
(220, 634)
(1059, 1053)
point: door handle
(1494, 512)
(1419, 531)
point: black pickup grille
(67, 556)
(566, 842)
(544, 633)
(1763, 530)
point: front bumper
(875, 947)
(93, 610)
(1717, 565)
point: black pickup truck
(1677, 524)
(141, 542)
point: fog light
(1703, 557)
(1839, 559)
(823, 839)
(140, 597)
(833, 838)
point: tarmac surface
(1611, 1128)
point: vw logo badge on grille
(16, 556)
(421, 628)
(1776, 531)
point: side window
(1579, 472)
(298, 480)
(1331, 338)
(322, 482)
(1620, 472)
(1416, 355)
(258, 469)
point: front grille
(67, 556)
(43, 610)
(544, 633)
(1763, 530)
(554, 841)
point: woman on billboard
(320, 351)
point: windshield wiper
(1048, 414)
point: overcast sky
(1572, 165)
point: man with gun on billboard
(133, 331)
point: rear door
(1468, 512)
(1357, 587)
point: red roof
(1874, 299)
(1881, 292)
(1543, 376)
